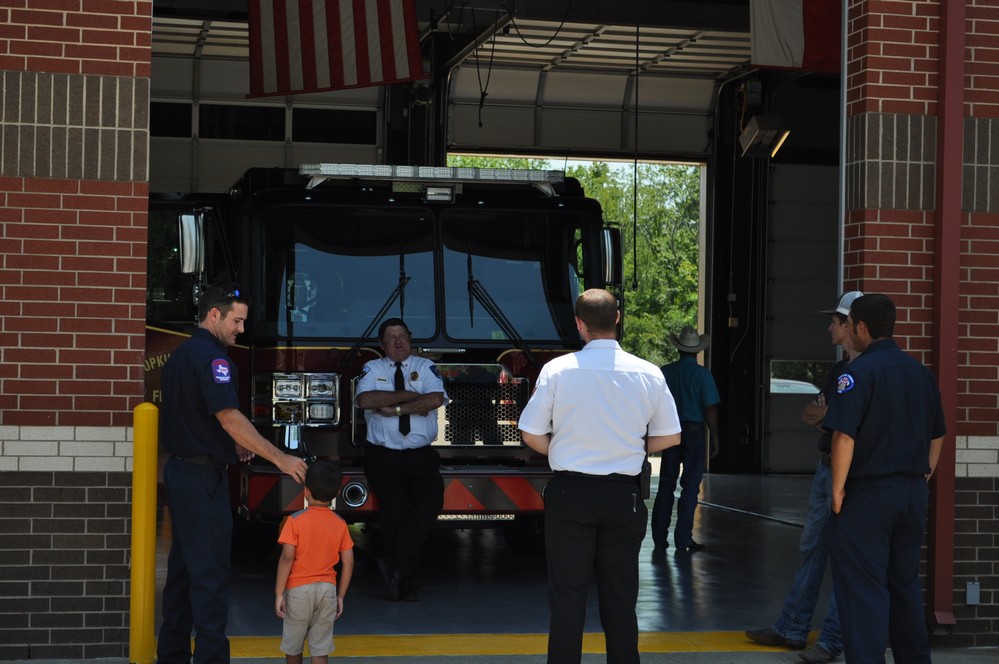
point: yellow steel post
(143, 601)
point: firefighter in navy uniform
(204, 431)
(887, 424)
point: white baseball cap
(843, 303)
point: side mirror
(610, 259)
(192, 242)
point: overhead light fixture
(763, 136)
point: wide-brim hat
(843, 303)
(688, 341)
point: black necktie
(400, 384)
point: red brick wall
(893, 76)
(978, 352)
(74, 107)
(892, 57)
(103, 37)
(73, 206)
(891, 251)
(979, 326)
(981, 67)
(72, 290)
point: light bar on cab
(320, 172)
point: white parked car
(788, 386)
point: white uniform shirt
(421, 377)
(599, 404)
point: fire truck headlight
(321, 413)
(289, 413)
(288, 387)
(321, 386)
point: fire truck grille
(484, 414)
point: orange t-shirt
(318, 535)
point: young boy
(307, 594)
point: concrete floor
(474, 583)
(478, 591)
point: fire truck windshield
(523, 263)
(327, 272)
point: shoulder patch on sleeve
(433, 370)
(844, 383)
(365, 370)
(221, 371)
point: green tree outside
(661, 263)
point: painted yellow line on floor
(388, 645)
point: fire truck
(484, 265)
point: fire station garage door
(803, 241)
(572, 89)
(555, 113)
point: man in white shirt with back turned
(597, 413)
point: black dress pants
(593, 530)
(410, 493)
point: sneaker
(693, 547)
(769, 637)
(816, 655)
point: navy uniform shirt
(829, 390)
(890, 405)
(199, 380)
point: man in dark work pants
(887, 424)
(400, 394)
(204, 431)
(596, 413)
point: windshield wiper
(476, 291)
(398, 292)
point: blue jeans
(690, 454)
(796, 618)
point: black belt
(825, 458)
(885, 476)
(613, 477)
(201, 461)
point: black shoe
(392, 579)
(408, 590)
(769, 637)
(693, 547)
(816, 655)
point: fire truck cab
(484, 265)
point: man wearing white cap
(693, 387)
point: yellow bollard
(141, 642)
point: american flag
(301, 46)
(796, 34)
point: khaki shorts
(309, 611)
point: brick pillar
(895, 77)
(74, 80)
